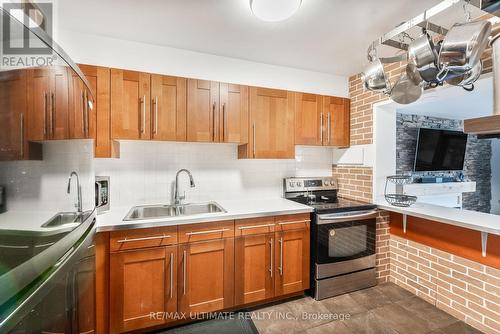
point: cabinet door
(272, 124)
(233, 113)
(308, 119)
(206, 275)
(292, 261)
(77, 109)
(141, 282)
(59, 103)
(39, 92)
(202, 107)
(12, 114)
(168, 98)
(99, 117)
(254, 268)
(337, 121)
(130, 105)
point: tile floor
(385, 308)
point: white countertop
(235, 209)
(473, 220)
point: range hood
(489, 126)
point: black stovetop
(330, 203)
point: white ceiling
(454, 102)
(328, 36)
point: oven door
(345, 242)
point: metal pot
(467, 80)
(462, 47)
(374, 77)
(423, 54)
(405, 91)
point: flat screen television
(440, 150)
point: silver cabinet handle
(295, 222)
(143, 239)
(143, 119)
(321, 127)
(224, 120)
(254, 226)
(171, 274)
(281, 257)
(271, 257)
(184, 265)
(155, 101)
(207, 232)
(83, 112)
(45, 113)
(213, 121)
(254, 139)
(87, 117)
(21, 115)
(52, 114)
(329, 128)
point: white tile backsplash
(145, 172)
(42, 185)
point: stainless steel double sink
(168, 211)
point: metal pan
(405, 91)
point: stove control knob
(326, 182)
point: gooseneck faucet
(78, 205)
(177, 197)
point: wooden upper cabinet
(337, 114)
(202, 111)
(308, 119)
(292, 260)
(142, 282)
(130, 105)
(13, 114)
(48, 100)
(206, 275)
(233, 125)
(59, 101)
(168, 100)
(271, 125)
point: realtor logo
(20, 46)
(16, 39)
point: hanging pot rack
(423, 21)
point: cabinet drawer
(292, 222)
(142, 238)
(254, 226)
(206, 231)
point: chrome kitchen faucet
(78, 205)
(177, 198)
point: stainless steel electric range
(342, 237)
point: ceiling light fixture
(274, 10)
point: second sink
(166, 211)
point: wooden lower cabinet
(142, 282)
(254, 270)
(292, 261)
(201, 268)
(206, 275)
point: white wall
(111, 52)
(41, 185)
(146, 171)
(495, 176)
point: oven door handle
(336, 218)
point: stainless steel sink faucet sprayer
(78, 205)
(177, 198)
